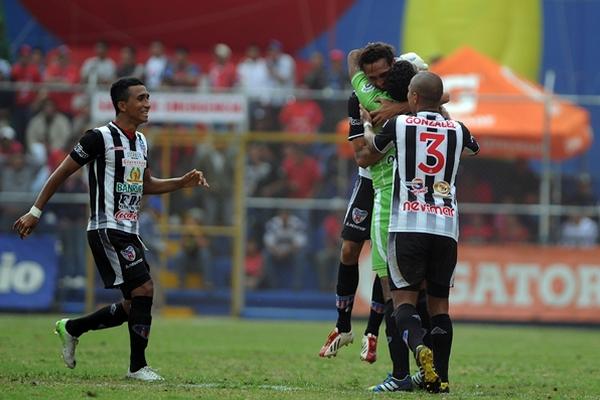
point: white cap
(222, 50)
(7, 132)
(415, 60)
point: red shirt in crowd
(301, 116)
(303, 174)
(25, 73)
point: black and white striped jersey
(116, 176)
(428, 149)
(356, 129)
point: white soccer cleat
(334, 341)
(145, 374)
(368, 352)
(69, 343)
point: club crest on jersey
(417, 186)
(135, 175)
(359, 215)
(367, 88)
(128, 253)
(442, 188)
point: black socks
(409, 325)
(140, 319)
(377, 308)
(441, 338)
(397, 348)
(344, 295)
(106, 317)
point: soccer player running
(117, 158)
(423, 230)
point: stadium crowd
(45, 107)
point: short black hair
(398, 79)
(373, 52)
(119, 91)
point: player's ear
(122, 105)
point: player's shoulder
(460, 124)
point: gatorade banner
(28, 271)
(527, 283)
(518, 283)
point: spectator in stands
(301, 172)
(62, 73)
(285, 240)
(583, 193)
(509, 229)
(337, 74)
(218, 161)
(39, 59)
(329, 253)
(254, 264)
(181, 72)
(4, 69)
(25, 73)
(337, 79)
(253, 80)
(128, 65)
(222, 74)
(70, 219)
(194, 255)
(6, 95)
(8, 144)
(282, 75)
(476, 229)
(253, 75)
(258, 168)
(316, 76)
(49, 127)
(579, 231)
(16, 175)
(99, 69)
(156, 64)
(301, 114)
(149, 229)
(82, 120)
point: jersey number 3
(433, 141)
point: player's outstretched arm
(154, 185)
(27, 223)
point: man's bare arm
(353, 66)
(363, 155)
(27, 223)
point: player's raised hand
(25, 225)
(388, 109)
(194, 178)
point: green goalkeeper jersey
(382, 172)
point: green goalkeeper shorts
(380, 222)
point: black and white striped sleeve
(386, 137)
(356, 129)
(89, 147)
(469, 141)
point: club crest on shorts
(359, 215)
(128, 253)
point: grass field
(229, 359)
